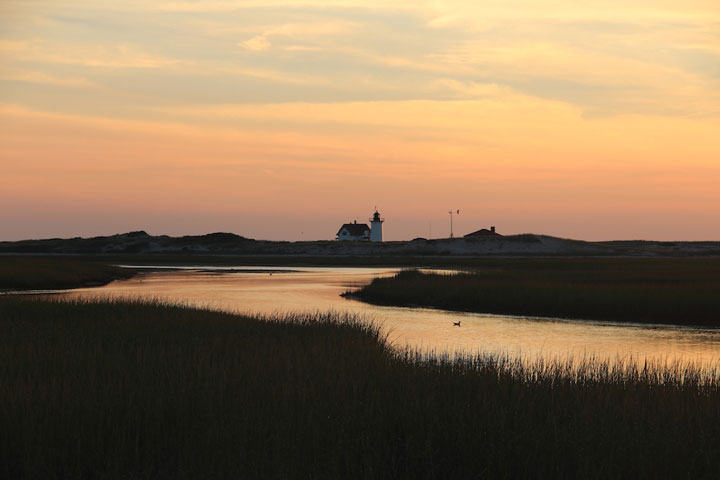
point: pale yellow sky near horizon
(284, 119)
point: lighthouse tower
(376, 227)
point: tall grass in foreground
(117, 389)
(675, 291)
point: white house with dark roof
(354, 232)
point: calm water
(268, 290)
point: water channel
(307, 289)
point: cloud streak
(256, 44)
(605, 57)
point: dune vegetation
(34, 273)
(120, 389)
(682, 291)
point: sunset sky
(281, 120)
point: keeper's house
(354, 232)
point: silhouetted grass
(118, 389)
(34, 273)
(675, 291)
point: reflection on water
(268, 290)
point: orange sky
(282, 120)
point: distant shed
(484, 232)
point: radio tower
(451, 212)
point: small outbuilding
(354, 232)
(483, 232)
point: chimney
(492, 229)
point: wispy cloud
(231, 5)
(42, 77)
(256, 44)
(307, 31)
(296, 78)
(107, 56)
(606, 57)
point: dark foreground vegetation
(33, 273)
(684, 291)
(132, 390)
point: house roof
(355, 229)
(481, 233)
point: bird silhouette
(457, 324)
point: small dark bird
(457, 324)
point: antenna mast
(452, 212)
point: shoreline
(536, 288)
(619, 295)
(543, 318)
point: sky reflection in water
(270, 289)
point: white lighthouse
(376, 227)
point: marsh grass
(34, 273)
(121, 389)
(673, 291)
